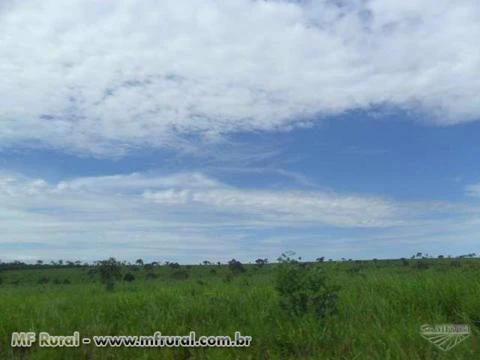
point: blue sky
(186, 137)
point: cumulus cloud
(106, 77)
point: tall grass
(381, 307)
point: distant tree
(441, 256)
(320, 259)
(261, 262)
(39, 262)
(174, 265)
(110, 272)
(236, 267)
(139, 262)
(206, 262)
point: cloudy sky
(191, 130)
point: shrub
(43, 280)
(422, 265)
(355, 271)
(303, 288)
(110, 272)
(129, 277)
(455, 263)
(236, 267)
(151, 276)
(67, 282)
(180, 275)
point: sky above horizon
(208, 130)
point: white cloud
(103, 77)
(190, 216)
(473, 189)
(285, 206)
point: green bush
(43, 280)
(110, 271)
(303, 288)
(151, 276)
(236, 267)
(180, 275)
(129, 277)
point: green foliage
(378, 314)
(421, 265)
(236, 267)
(303, 288)
(110, 271)
(180, 275)
(43, 280)
(129, 277)
(151, 276)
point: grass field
(381, 306)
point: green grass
(381, 307)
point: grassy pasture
(381, 306)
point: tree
(236, 267)
(261, 262)
(139, 262)
(110, 271)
